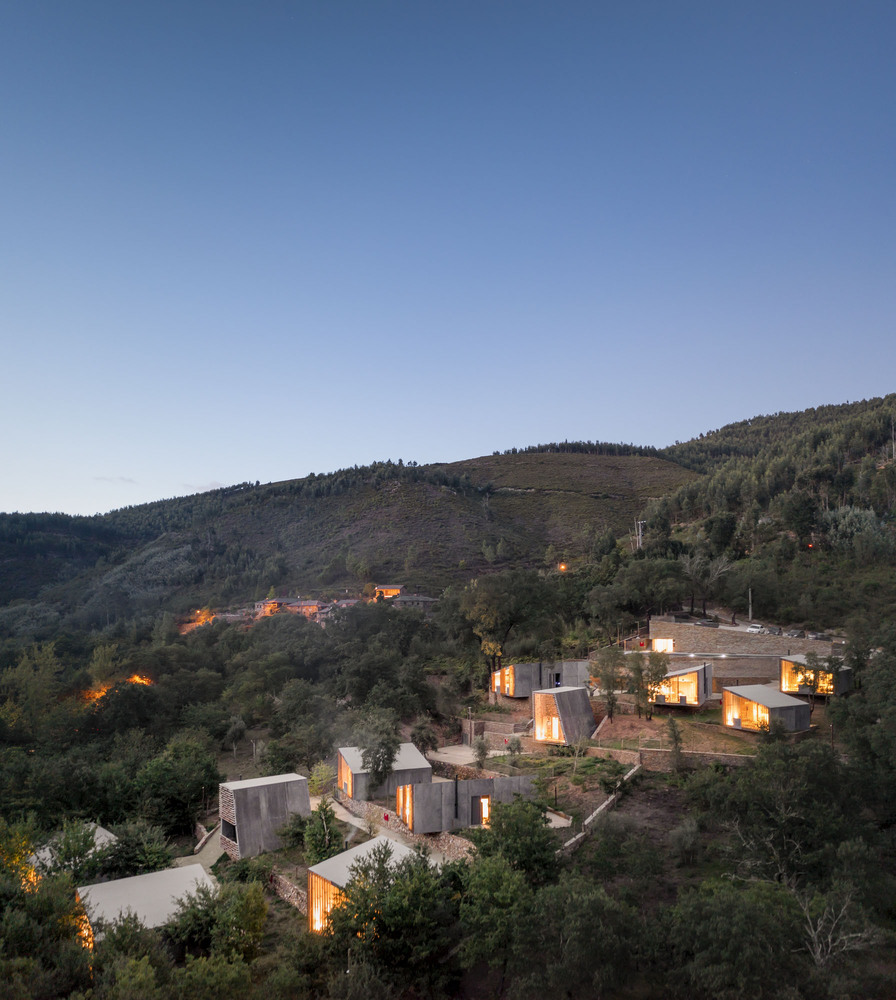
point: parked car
(755, 628)
(823, 636)
(795, 633)
(771, 630)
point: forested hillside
(771, 879)
(424, 526)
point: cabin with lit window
(756, 707)
(252, 811)
(456, 805)
(519, 680)
(562, 715)
(387, 590)
(152, 898)
(798, 678)
(691, 687)
(409, 767)
(327, 880)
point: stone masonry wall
(698, 639)
(454, 848)
(289, 891)
(226, 808)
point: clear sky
(251, 241)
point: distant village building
(353, 779)
(419, 602)
(252, 811)
(387, 590)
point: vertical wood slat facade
(344, 776)
(322, 897)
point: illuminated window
(663, 645)
(404, 805)
(485, 809)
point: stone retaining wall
(661, 760)
(289, 891)
(699, 639)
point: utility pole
(750, 593)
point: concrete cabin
(756, 707)
(456, 805)
(252, 811)
(519, 680)
(690, 686)
(562, 715)
(798, 678)
(151, 898)
(327, 880)
(44, 858)
(410, 767)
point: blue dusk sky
(251, 241)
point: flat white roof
(407, 758)
(153, 897)
(686, 670)
(274, 779)
(769, 697)
(337, 870)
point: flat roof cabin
(409, 767)
(756, 707)
(690, 686)
(252, 811)
(456, 805)
(562, 715)
(151, 898)
(798, 678)
(327, 880)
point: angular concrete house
(327, 880)
(798, 678)
(519, 680)
(252, 811)
(756, 707)
(689, 686)
(152, 898)
(562, 715)
(456, 805)
(410, 767)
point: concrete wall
(408, 776)
(447, 805)
(259, 811)
(453, 848)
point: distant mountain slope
(424, 526)
(429, 526)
